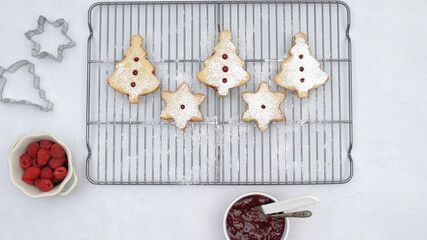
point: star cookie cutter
(40, 29)
(36, 84)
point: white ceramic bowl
(286, 231)
(16, 172)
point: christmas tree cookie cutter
(40, 29)
(36, 84)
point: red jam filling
(301, 56)
(224, 80)
(182, 106)
(243, 222)
(135, 72)
(225, 69)
(301, 69)
(136, 59)
(133, 84)
(302, 79)
(224, 56)
(263, 106)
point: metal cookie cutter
(40, 29)
(36, 84)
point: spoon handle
(300, 214)
(289, 204)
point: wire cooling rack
(130, 144)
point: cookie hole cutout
(302, 79)
(182, 106)
(136, 59)
(301, 56)
(135, 72)
(133, 84)
(224, 56)
(301, 69)
(225, 69)
(224, 80)
(263, 106)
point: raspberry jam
(224, 56)
(302, 79)
(301, 69)
(133, 84)
(136, 59)
(182, 106)
(225, 69)
(263, 106)
(301, 56)
(135, 72)
(243, 222)
(224, 80)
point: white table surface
(386, 199)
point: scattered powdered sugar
(204, 39)
(187, 178)
(182, 77)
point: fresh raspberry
(57, 151)
(44, 185)
(29, 181)
(31, 173)
(43, 156)
(55, 180)
(60, 173)
(46, 173)
(36, 163)
(46, 144)
(25, 161)
(33, 149)
(55, 163)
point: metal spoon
(300, 214)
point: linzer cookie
(263, 106)
(182, 106)
(301, 72)
(134, 75)
(224, 70)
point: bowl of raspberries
(41, 165)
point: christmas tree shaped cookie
(134, 75)
(263, 106)
(224, 70)
(182, 106)
(301, 72)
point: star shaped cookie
(182, 106)
(263, 106)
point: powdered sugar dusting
(293, 77)
(134, 85)
(182, 106)
(263, 106)
(214, 75)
